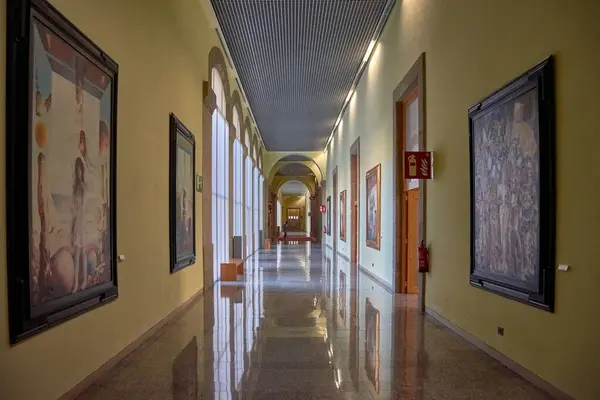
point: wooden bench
(231, 269)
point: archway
(294, 209)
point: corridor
(302, 324)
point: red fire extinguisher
(325, 229)
(423, 258)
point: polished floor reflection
(303, 324)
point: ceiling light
(369, 50)
(350, 94)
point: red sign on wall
(322, 209)
(417, 165)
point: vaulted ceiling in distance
(297, 60)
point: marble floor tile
(304, 324)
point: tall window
(220, 177)
(261, 203)
(279, 214)
(255, 208)
(238, 178)
(249, 239)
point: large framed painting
(374, 207)
(343, 215)
(512, 189)
(185, 372)
(61, 125)
(182, 204)
(329, 211)
(342, 297)
(372, 344)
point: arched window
(238, 178)
(220, 177)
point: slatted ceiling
(297, 60)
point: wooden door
(412, 240)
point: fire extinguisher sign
(417, 165)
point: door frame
(413, 80)
(334, 209)
(355, 202)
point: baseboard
(377, 279)
(501, 358)
(95, 376)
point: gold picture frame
(373, 209)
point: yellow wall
(162, 67)
(472, 48)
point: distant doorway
(293, 219)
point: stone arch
(254, 145)
(308, 161)
(247, 134)
(236, 103)
(216, 60)
(280, 181)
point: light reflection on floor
(303, 324)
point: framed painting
(342, 297)
(343, 215)
(372, 344)
(374, 207)
(182, 201)
(512, 189)
(185, 372)
(329, 211)
(61, 125)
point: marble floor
(303, 324)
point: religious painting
(185, 372)
(512, 189)
(372, 345)
(343, 215)
(182, 197)
(342, 297)
(329, 211)
(374, 207)
(61, 130)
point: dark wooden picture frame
(61, 170)
(373, 182)
(329, 212)
(182, 195)
(511, 137)
(343, 215)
